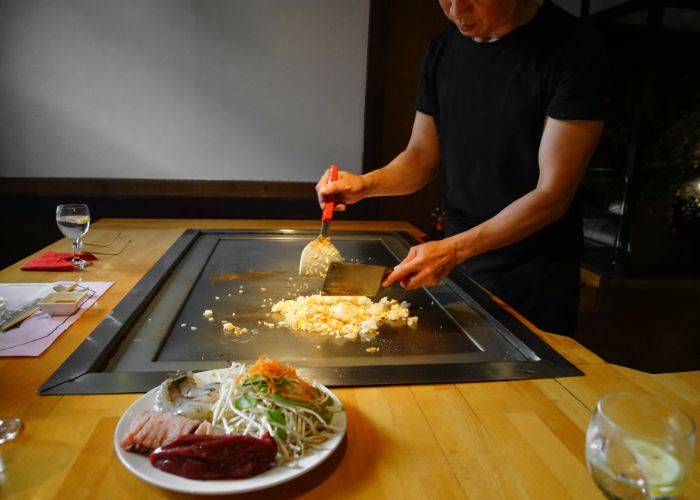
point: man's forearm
(406, 174)
(565, 150)
(518, 220)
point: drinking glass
(9, 429)
(74, 221)
(639, 447)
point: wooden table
(520, 439)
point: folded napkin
(54, 261)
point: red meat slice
(216, 457)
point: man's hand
(348, 189)
(426, 264)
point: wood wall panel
(400, 32)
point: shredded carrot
(272, 370)
(308, 390)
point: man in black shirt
(510, 105)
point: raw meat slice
(151, 429)
(216, 457)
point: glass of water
(74, 221)
(639, 447)
(9, 429)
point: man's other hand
(425, 264)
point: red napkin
(54, 261)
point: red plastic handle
(329, 206)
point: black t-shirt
(489, 101)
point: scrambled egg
(231, 328)
(341, 316)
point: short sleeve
(580, 77)
(427, 97)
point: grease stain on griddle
(252, 274)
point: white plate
(141, 466)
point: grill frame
(85, 370)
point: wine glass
(74, 221)
(639, 447)
(9, 429)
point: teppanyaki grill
(158, 327)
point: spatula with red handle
(318, 255)
(329, 206)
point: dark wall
(400, 32)
(649, 149)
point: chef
(510, 105)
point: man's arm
(566, 148)
(412, 169)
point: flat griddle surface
(263, 268)
(462, 335)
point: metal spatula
(318, 255)
(344, 278)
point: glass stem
(76, 246)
